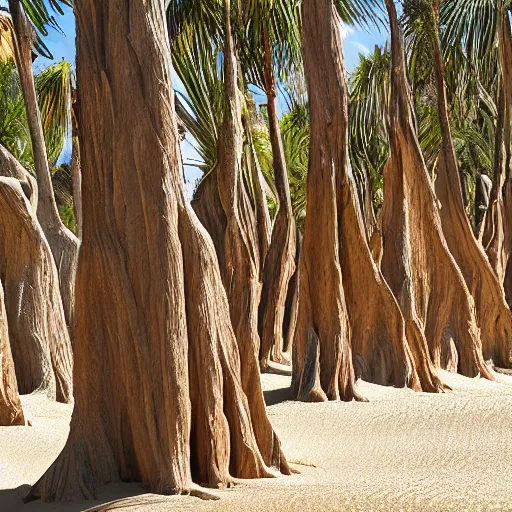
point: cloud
(361, 47)
(346, 31)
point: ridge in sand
(401, 451)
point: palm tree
(493, 315)
(63, 243)
(272, 42)
(187, 417)
(335, 336)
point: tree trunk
(497, 230)
(39, 339)
(492, 312)
(76, 173)
(11, 412)
(259, 196)
(159, 396)
(436, 304)
(279, 264)
(11, 168)
(63, 244)
(292, 299)
(357, 313)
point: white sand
(402, 451)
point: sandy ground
(403, 451)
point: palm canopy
(54, 95)
(6, 39)
(41, 15)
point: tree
(159, 392)
(438, 309)
(38, 335)
(493, 315)
(272, 30)
(336, 321)
(11, 412)
(63, 243)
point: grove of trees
(362, 231)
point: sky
(62, 45)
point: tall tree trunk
(291, 308)
(76, 168)
(257, 185)
(279, 264)
(39, 339)
(492, 312)
(439, 311)
(63, 244)
(11, 412)
(357, 313)
(497, 229)
(159, 395)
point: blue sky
(61, 46)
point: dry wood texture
(437, 306)
(11, 412)
(354, 315)
(38, 333)
(159, 388)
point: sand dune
(402, 451)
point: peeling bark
(38, 334)
(336, 318)
(279, 264)
(159, 389)
(11, 412)
(424, 277)
(63, 244)
(493, 314)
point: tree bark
(497, 228)
(158, 376)
(357, 313)
(11, 412)
(76, 168)
(492, 312)
(279, 264)
(438, 309)
(39, 339)
(256, 185)
(63, 244)
(292, 299)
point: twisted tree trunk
(11, 412)
(63, 244)
(159, 391)
(439, 311)
(279, 264)
(497, 227)
(492, 312)
(38, 335)
(356, 314)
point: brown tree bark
(437, 306)
(256, 184)
(159, 395)
(497, 228)
(291, 308)
(279, 264)
(38, 335)
(492, 312)
(64, 245)
(355, 314)
(11, 412)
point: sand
(401, 451)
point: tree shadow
(277, 396)
(116, 496)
